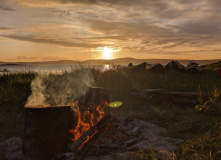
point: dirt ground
(125, 138)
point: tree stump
(97, 96)
(46, 131)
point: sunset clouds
(179, 29)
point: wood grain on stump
(97, 96)
(46, 131)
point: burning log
(84, 150)
(46, 131)
(92, 120)
(97, 96)
(159, 96)
(90, 133)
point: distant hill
(118, 61)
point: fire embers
(87, 119)
(96, 103)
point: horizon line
(108, 60)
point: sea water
(48, 68)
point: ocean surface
(48, 68)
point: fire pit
(50, 131)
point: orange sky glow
(39, 30)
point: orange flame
(87, 120)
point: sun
(107, 53)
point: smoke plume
(59, 90)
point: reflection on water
(56, 69)
(36, 68)
(106, 67)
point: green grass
(176, 81)
(119, 82)
(201, 131)
(15, 87)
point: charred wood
(97, 96)
(84, 150)
(92, 131)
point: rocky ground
(128, 137)
(125, 138)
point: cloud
(50, 40)
(4, 6)
(6, 9)
(200, 27)
(6, 30)
(28, 57)
(185, 16)
(155, 26)
(62, 13)
(126, 28)
(43, 58)
(91, 2)
(105, 38)
(3, 39)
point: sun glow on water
(106, 67)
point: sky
(48, 30)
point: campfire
(88, 125)
(87, 119)
(73, 133)
(54, 130)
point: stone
(123, 156)
(131, 142)
(136, 129)
(13, 148)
